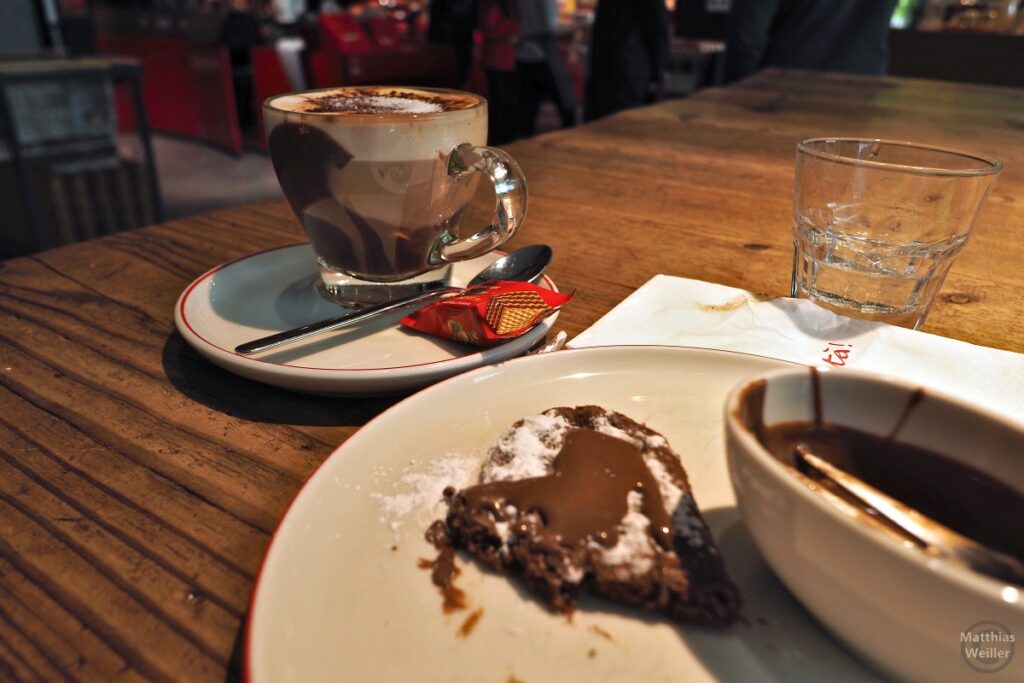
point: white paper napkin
(680, 312)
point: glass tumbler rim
(989, 166)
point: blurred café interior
(149, 448)
(120, 113)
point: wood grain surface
(139, 484)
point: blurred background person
(829, 35)
(541, 73)
(329, 7)
(288, 12)
(239, 34)
(452, 22)
(500, 31)
(628, 55)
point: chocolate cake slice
(586, 499)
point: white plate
(340, 597)
(272, 291)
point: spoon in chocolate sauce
(937, 539)
(522, 265)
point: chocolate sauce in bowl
(963, 498)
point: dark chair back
(66, 176)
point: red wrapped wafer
(488, 314)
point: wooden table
(139, 484)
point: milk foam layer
(375, 100)
(392, 137)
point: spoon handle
(306, 331)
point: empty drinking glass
(878, 223)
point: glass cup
(380, 178)
(878, 223)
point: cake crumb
(470, 623)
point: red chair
(326, 69)
(348, 57)
(187, 86)
(384, 33)
(343, 34)
(269, 79)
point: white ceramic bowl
(898, 608)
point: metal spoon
(522, 265)
(936, 538)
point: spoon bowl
(522, 265)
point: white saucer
(272, 291)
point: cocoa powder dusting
(368, 101)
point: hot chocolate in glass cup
(380, 177)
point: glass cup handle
(509, 206)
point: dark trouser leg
(502, 106)
(530, 95)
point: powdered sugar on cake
(419, 489)
(526, 450)
(634, 551)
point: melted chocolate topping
(585, 497)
